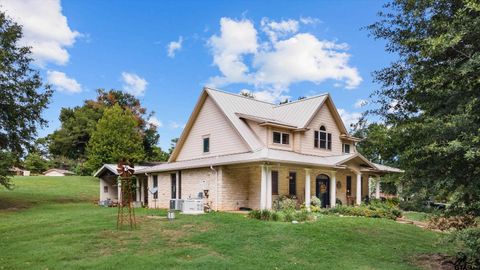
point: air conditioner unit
(176, 204)
(193, 206)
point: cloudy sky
(164, 52)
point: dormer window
(281, 138)
(322, 139)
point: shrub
(444, 223)
(285, 215)
(315, 201)
(265, 214)
(468, 242)
(255, 214)
(375, 209)
(286, 203)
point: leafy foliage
(35, 163)
(374, 209)
(23, 97)
(429, 96)
(282, 215)
(468, 242)
(444, 223)
(115, 138)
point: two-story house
(239, 152)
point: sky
(165, 52)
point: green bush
(286, 203)
(315, 201)
(375, 209)
(284, 215)
(468, 242)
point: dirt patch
(435, 261)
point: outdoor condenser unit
(176, 204)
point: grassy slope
(59, 227)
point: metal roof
(113, 168)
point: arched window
(323, 140)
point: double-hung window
(346, 148)
(281, 138)
(206, 144)
(322, 139)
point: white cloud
(287, 57)
(134, 84)
(62, 82)
(274, 29)
(175, 125)
(349, 118)
(155, 122)
(174, 46)
(360, 103)
(309, 20)
(45, 29)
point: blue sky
(274, 49)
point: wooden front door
(322, 189)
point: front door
(322, 188)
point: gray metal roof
(113, 168)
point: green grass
(416, 216)
(52, 223)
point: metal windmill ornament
(126, 213)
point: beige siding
(323, 117)
(259, 131)
(288, 147)
(110, 183)
(223, 137)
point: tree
(35, 163)
(79, 123)
(23, 97)
(430, 95)
(115, 138)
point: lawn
(416, 216)
(52, 223)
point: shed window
(322, 139)
(105, 189)
(274, 182)
(206, 145)
(292, 183)
(281, 138)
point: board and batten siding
(323, 117)
(223, 137)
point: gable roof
(58, 170)
(293, 115)
(113, 169)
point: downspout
(216, 187)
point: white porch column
(359, 188)
(307, 189)
(119, 191)
(269, 187)
(377, 188)
(142, 191)
(137, 189)
(333, 189)
(263, 187)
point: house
(237, 152)
(57, 172)
(19, 172)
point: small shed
(19, 171)
(58, 172)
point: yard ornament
(126, 212)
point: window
(349, 186)
(206, 144)
(346, 148)
(292, 183)
(105, 189)
(155, 186)
(322, 139)
(281, 138)
(173, 184)
(274, 182)
(179, 184)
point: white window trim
(326, 139)
(349, 148)
(281, 138)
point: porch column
(377, 188)
(263, 187)
(268, 172)
(359, 188)
(119, 191)
(333, 189)
(137, 193)
(307, 189)
(142, 191)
